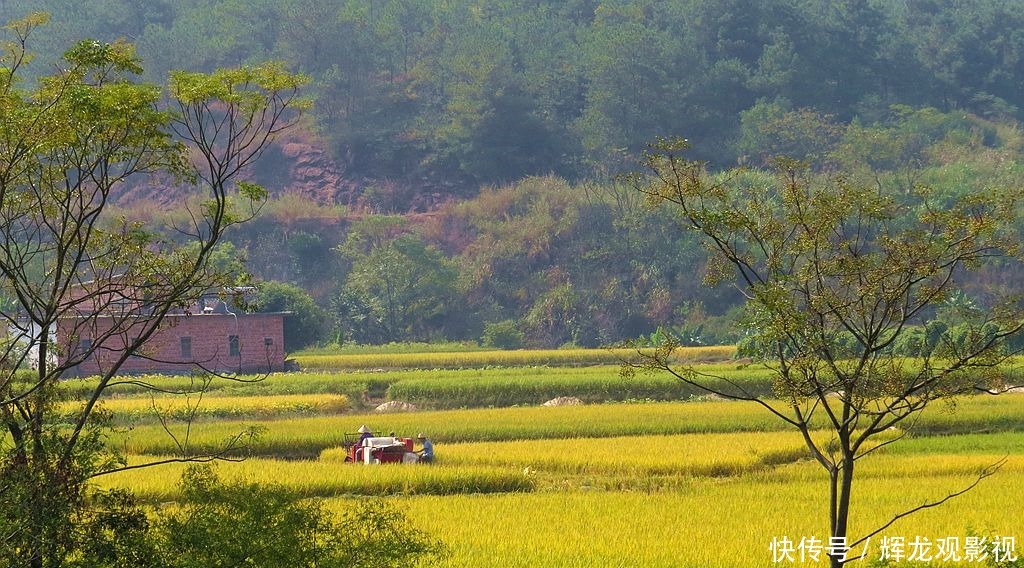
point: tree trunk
(841, 488)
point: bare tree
(834, 275)
(104, 285)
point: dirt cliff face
(304, 167)
(299, 165)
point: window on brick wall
(186, 347)
(268, 341)
(84, 345)
(234, 349)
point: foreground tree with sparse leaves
(835, 273)
(69, 141)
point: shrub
(503, 335)
(267, 526)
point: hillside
(417, 97)
(457, 176)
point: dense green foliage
(506, 120)
(490, 91)
(305, 324)
(589, 264)
(231, 523)
(281, 530)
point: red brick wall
(210, 345)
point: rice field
(682, 482)
(314, 478)
(138, 410)
(308, 436)
(439, 388)
(476, 359)
(722, 523)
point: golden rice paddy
(685, 483)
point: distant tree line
(473, 92)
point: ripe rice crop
(666, 484)
(322, 479)
(393, 347)
(475, 359)
(350, 384)
(721, 523)
(1009, 442)
(445, 388)
(181, 407)
(678, 455)
(307, 437)
(535, 385)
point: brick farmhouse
(206, 336)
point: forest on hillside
(489, 91)
(515, 117)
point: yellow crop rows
(722, 523)
(465, 359)
(179, 407)
(694, 483)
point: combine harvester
(379, 449)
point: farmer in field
(364, 433)
(427, 453)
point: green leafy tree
(86, 283)
(409, 287)
(833, 274)
(629, 64)
(549, 255)
(307, 323)
(772, 129)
